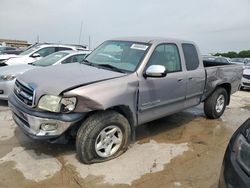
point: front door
(159, 97)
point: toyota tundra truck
(123, 83)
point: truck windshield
(121, 55)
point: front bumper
(232, 176)
(245, 83)
(30, 120)
(6, 88)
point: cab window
(168, 56)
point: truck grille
(246, 76)
(24, 93)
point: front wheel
(103, 136)
(215, 104)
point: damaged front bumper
(33, 123)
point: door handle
(190, 78)
(180, 79)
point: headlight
(57, 104)
(68, 104)
(8, 77)
(50, 103)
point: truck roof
(151, 40)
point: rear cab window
(191, 56)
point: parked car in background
(5, 57)
(122, 84)
(235, 171)
(8, 74)
(223, 60)
(247, 63)
(9, 50)
(238, 61)
(208, 57)
(217, 59)
(37, 52)
(245, 82)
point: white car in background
(245, 82)
(8, 74)
(37, 52)
(242, 61)
(246, 63)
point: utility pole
(80, 35)
(89, 42)
(37, 39)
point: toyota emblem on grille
(18, 89)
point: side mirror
(35, 55)
(156, 71)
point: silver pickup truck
(123, 83)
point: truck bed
(218, 73)
(208, 63)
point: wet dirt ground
(181, 150)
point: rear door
(159, 97)
(195, 75)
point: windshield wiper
(111, 67)
(85, 61)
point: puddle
(140, 159)
(33, 167)
(247, 107)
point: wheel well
(227, 87)
(127, 113)
(122, 109)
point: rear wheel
(103, 136)
(215, 104)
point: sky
(214, 25)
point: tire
(91, 133)
(212, 108)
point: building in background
(14, 43)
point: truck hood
(54, 80)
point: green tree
(244, 54)
(228, 54)
(232, 54)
